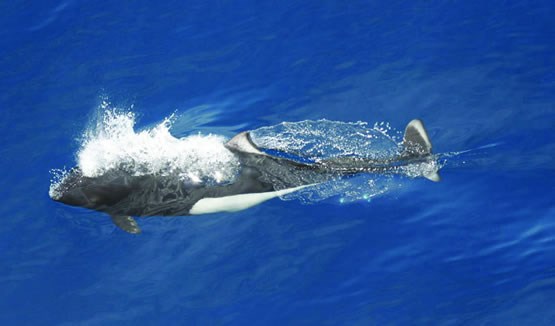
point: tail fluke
(416, 143)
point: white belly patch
(237, 202)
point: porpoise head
(75, 189)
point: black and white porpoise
(124, 196)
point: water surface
(476, 248)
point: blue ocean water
(477, 248)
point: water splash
(321, 139)
(111, 142)
(314, 141)
(57, 177)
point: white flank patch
(237, 202)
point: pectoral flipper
(126, 223)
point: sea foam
(111, 142)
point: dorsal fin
(242, 143)
(126, 223)
(416, 141)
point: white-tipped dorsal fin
(416, 141)
(242, 143)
